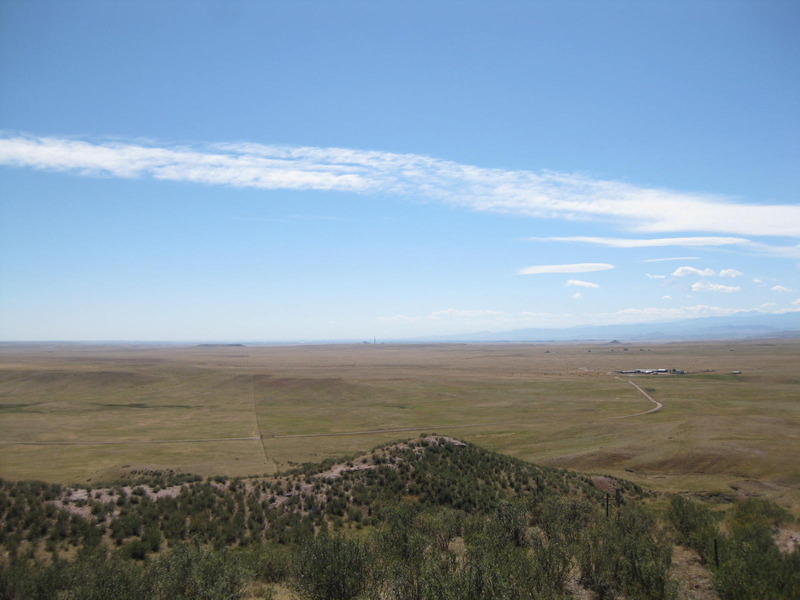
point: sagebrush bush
(751, 565)
(695, 526)
(628, 555)
(330, 567)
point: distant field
(558, 405)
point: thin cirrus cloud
(544, 194)
(579, 283)
(792, 251)
(574, 268)
(706, 286)
(684, 271)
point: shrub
(752, 567)
(189, 572)
(269, 563)
(628, 556)
(97, 576)
(695, 526)
(759, 511)
(136, 550)
(330, 567)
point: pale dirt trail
(658, 405)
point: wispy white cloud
(577, 296)
(206, 165)
(495, 319)
(779, 251)
(780, 288)
(543, 194)
(683, 271)
(579, 283)
(648, 243)
(706, 286)
(645, 315)
(666, 297)
(651, 276)
(574, 268)
(709, 242)
(732, 273)
(796, 302)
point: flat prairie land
(87, 413)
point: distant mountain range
(743, 326)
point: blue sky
(342, 170)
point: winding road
(658, 405)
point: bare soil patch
(692, 576)
(788, 539)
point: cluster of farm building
(661, 371)
(651, 371)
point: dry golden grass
(552, 404)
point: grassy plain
(562, 405)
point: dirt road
(658, 406)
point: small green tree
(330, 567)
(189, 572)
(99, 576)
(752, 567)
(695, 526)
(628, 556)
